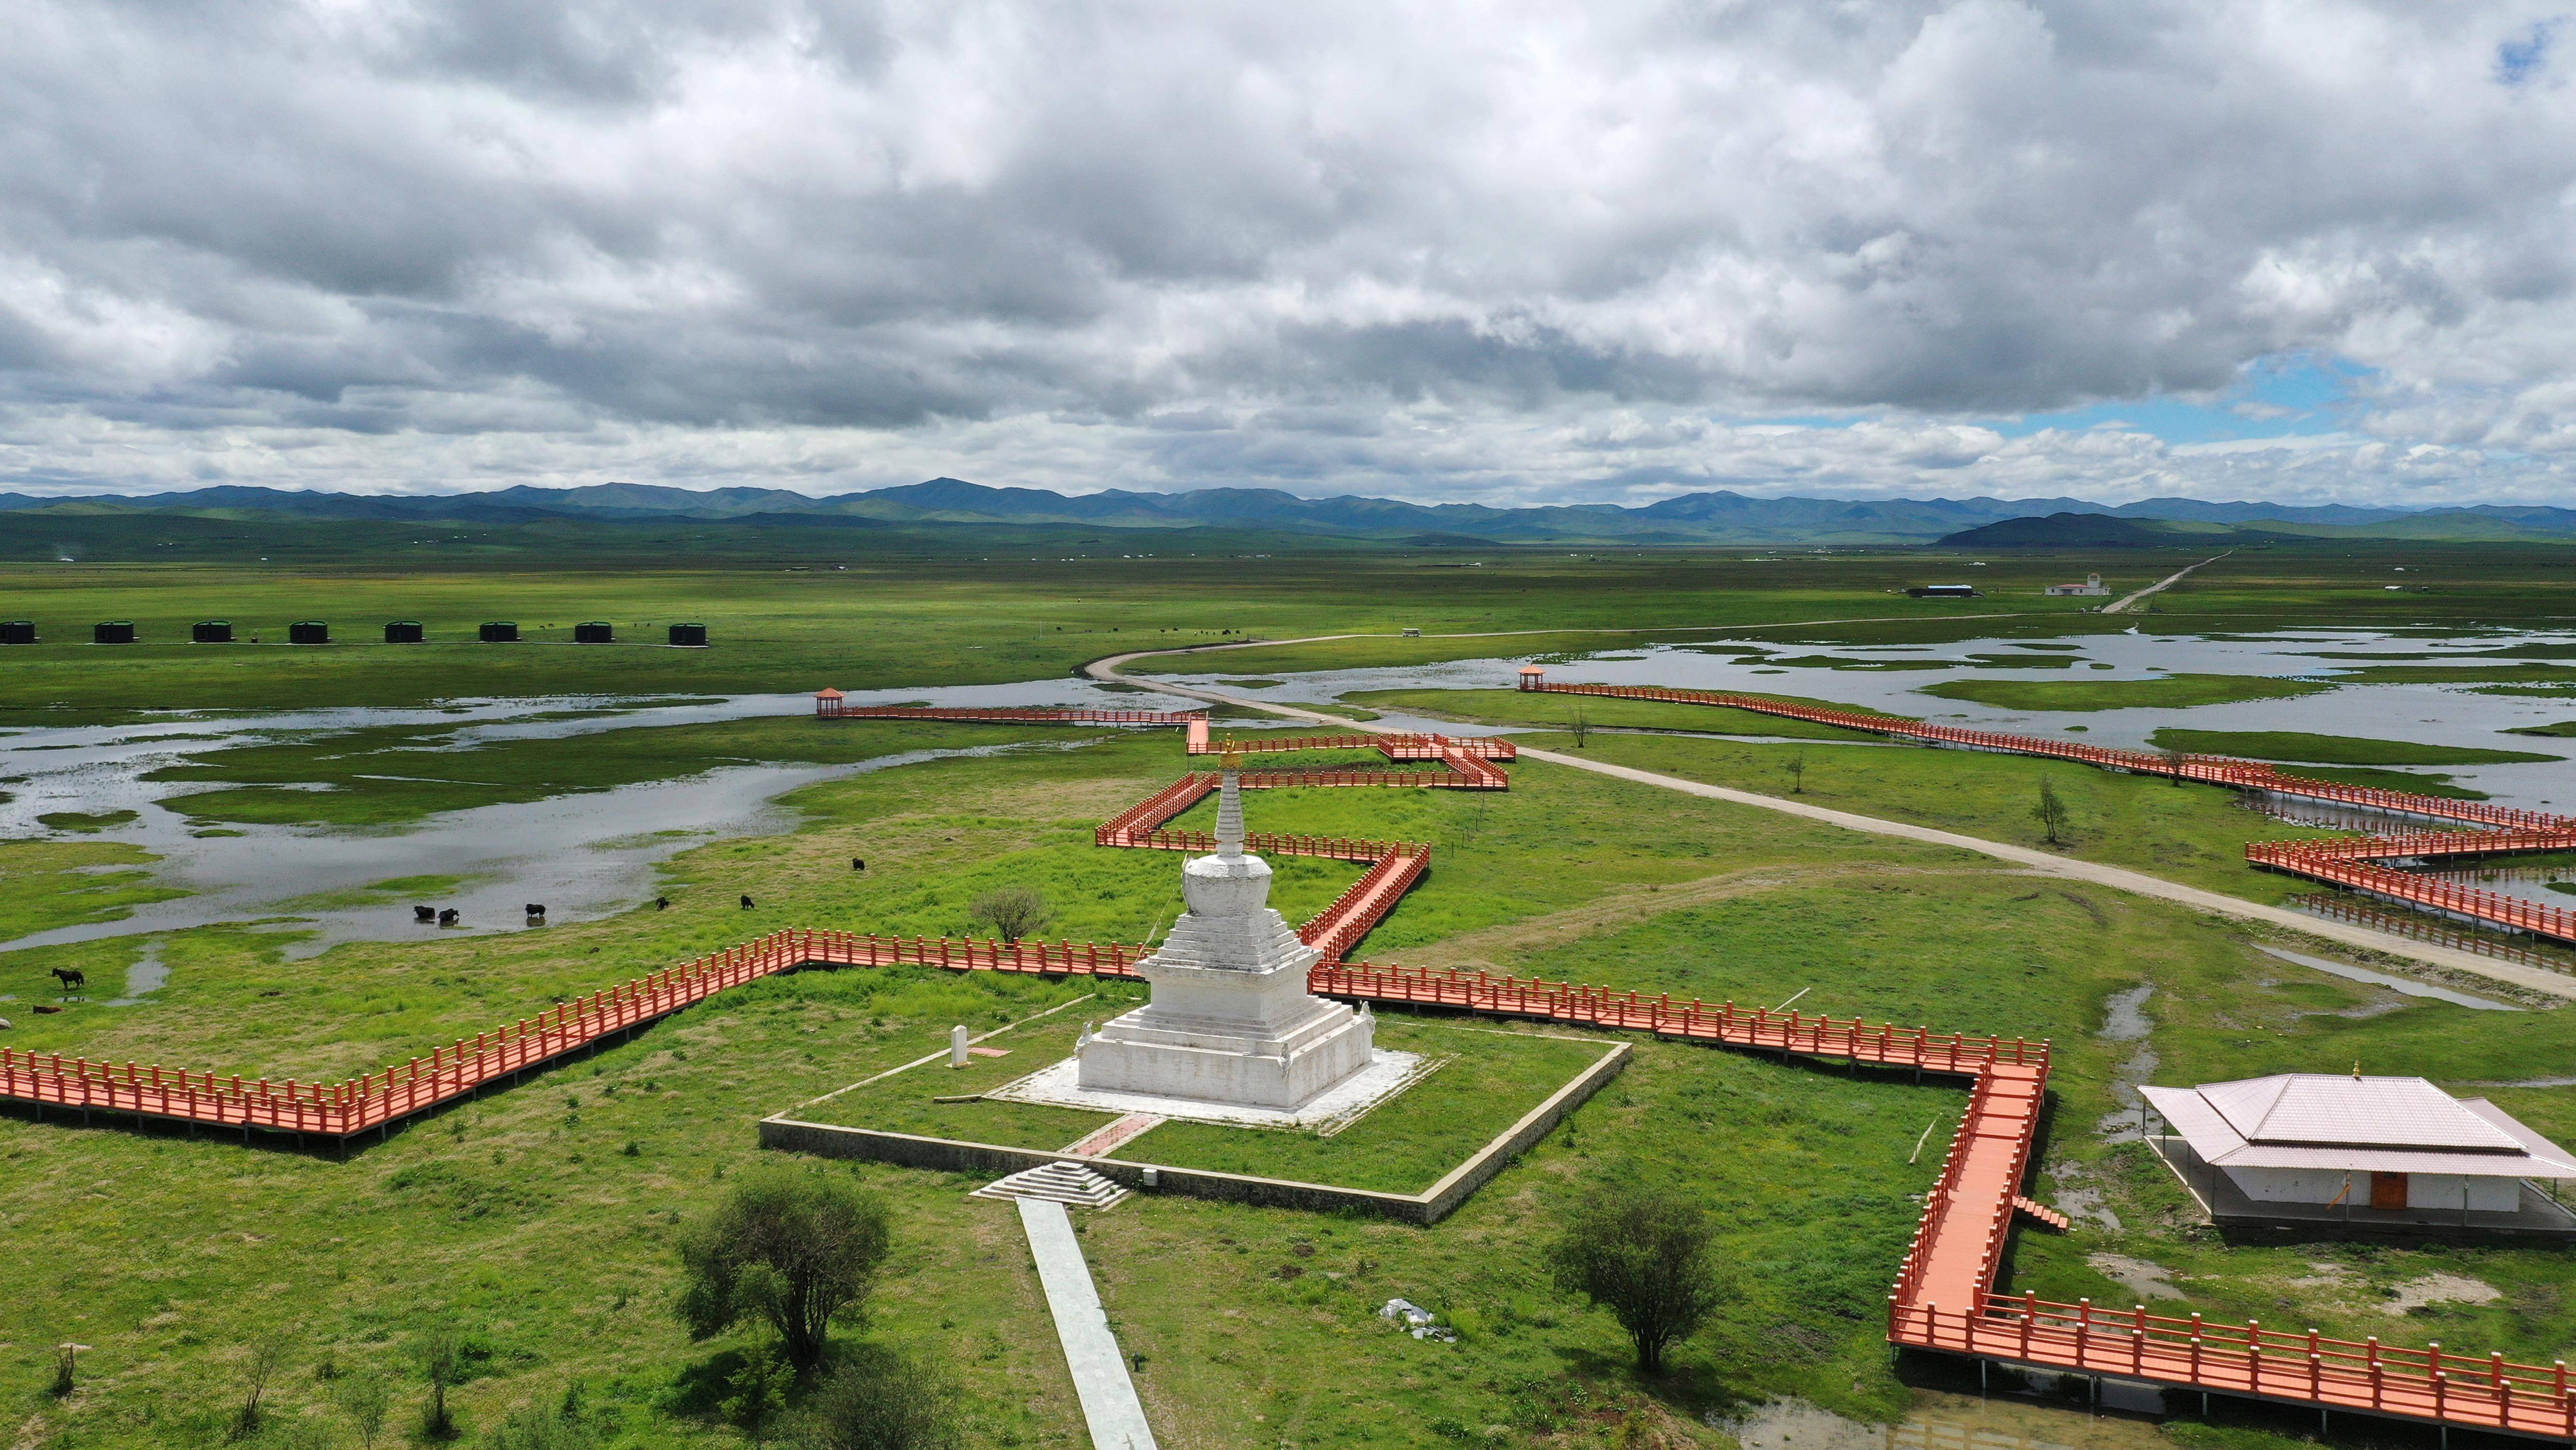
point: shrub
(1011, 911)
(1642, 1253)
(880, 1399)
(797, 1248)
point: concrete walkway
(2556, 984)
(1109, 1404)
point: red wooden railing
(2215, 769)
(828, 707)
(1393, 747)
(1357, 911)
(2432, 1383)
(2350, 864)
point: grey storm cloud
(1493, 249)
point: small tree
(1581, 725)
(264, 1359)
(1011, 911)
(441, 1353)
(759, 1393)
(882, 1400)
(363, 1400)
(1797, 768)
(794, 1247)
(2051, 811)
(2175, 759)
(1643, 1254)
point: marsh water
(581, 853)
(1892, 677)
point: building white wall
(2298, 1185)
(2434, 1191)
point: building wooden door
(2388, 1190)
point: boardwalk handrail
(834, 708)
(2213, 769)
(2301, 1366)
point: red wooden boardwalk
(2499, 830)
(1944, 1298)
(2355, 864)
(829, 706)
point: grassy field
(2167, 692)
(1239, 1313)
(2333, 749)
(2191, 833)
(873, 621)
(542, 1217)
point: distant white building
(2092, 585)
(2385, 1151)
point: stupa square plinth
(1387, 1074)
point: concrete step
(1070, 1184)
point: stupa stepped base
(1383, 1076)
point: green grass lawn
(2332, 749)
(49, 884)
(2169, 692)
(83, 822)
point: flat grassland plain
(541, 1219)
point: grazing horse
(661, 903)
(450, 917)
(424, 913)
(72, 978)
(536, 908)
(746, 903)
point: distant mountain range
(1719, 517)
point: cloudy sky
(1611, 251)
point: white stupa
(1231, 1021)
